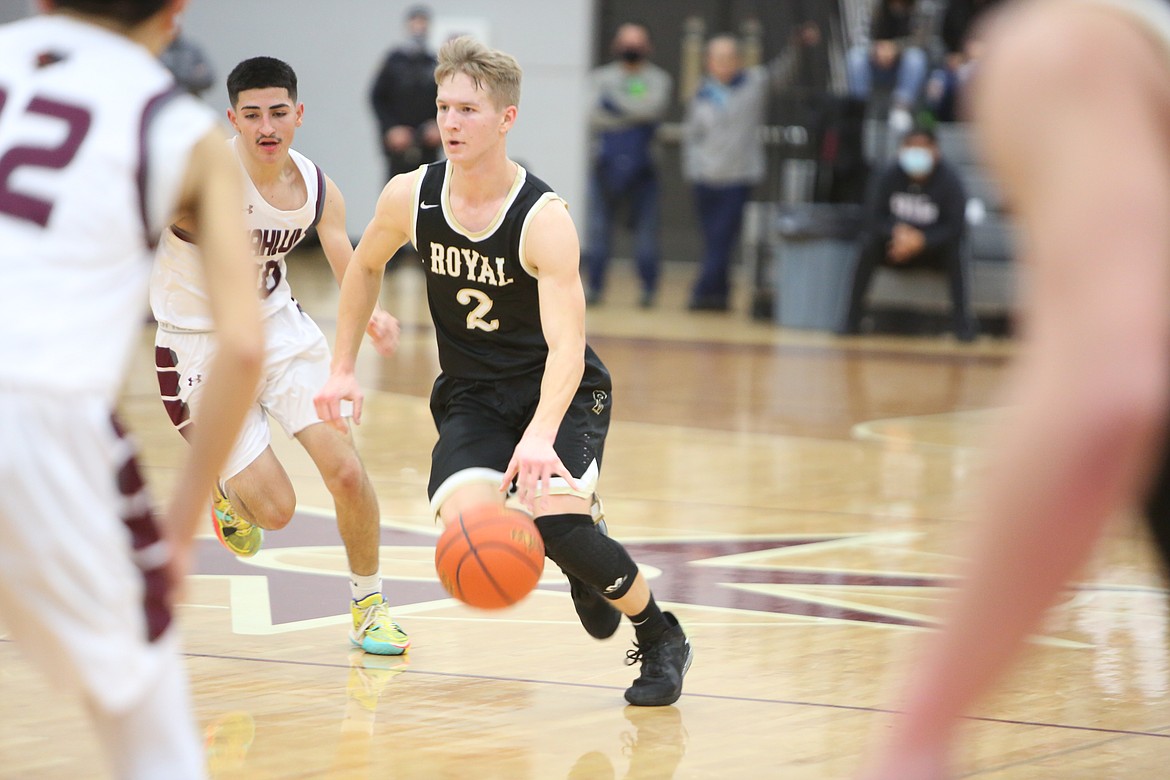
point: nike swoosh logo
(428, 205)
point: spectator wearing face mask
(628, 99)
(915, 217)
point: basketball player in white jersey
(521, 395)
(97, 150)
(285, 195)
(1082, 148)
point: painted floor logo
(789, 574)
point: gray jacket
(722, 144)
(624, 116)
(620, 99)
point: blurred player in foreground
(1082, 148)
(97, 151)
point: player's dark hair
(261, 73)
(129, 12)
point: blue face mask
(916, 161)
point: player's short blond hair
(496, 73)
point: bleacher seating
(916, 300)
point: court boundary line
(709, 696)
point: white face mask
(916, 161)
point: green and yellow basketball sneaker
(236, 534)
(374, 630)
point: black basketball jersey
(482, 293)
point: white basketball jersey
(177, 294)
(92, 152)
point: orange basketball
(490, 557)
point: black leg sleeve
(574, 543)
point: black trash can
(817, 249)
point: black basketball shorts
(480, 423)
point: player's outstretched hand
(340, 387)
(534, 463)
(383, 329)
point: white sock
(362, 585)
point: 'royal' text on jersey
(469, 264)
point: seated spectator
(723, 151)
(892, 59)
(960, 36)
(915, 217)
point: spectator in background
(915, 216)
(628, 99)
(944, 88)
(893, 58)
(723, 151)
(403, 98)
(189, 65)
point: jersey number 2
(24, 205)
(475, 317)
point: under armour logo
(194, 380)
(599, 398)
(249, 209)
(616, 584)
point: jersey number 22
(24, 205)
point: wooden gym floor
(796, 499)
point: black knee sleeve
(574, 544)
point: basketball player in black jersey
(522, 402)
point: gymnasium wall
(336, 48)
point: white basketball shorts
(82, 567)
(296, 367)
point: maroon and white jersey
(177, 295)
(93, 145)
